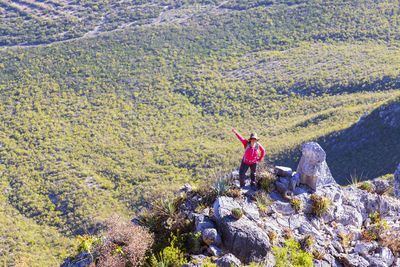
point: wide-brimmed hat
(253, 136)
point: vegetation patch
(320, 204)
(365, 186)
(290, 254)
(237, 213)
(296, 204)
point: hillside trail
(173, 16)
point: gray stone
(199, 258)
(381, 186)
(283, 171)
(228, 260)
(386, 255)
(353, 198)
(251, 210)
(214, 250)
(198, 264)
(282, 186)
(210, 236)
(396, 182)
(353, 260)
(284, 208)
(234, 175)
(375, 261)
(202, 222)
(243, 237)
(294, 182)
(312, 167)
(349, 216)
(338, 246)
(363, 248)
(205, 212)
(294, 221)
(321, 263)
(396, 262)
(82, 260)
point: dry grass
(391, 239)
(125, 244)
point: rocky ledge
(340, 226)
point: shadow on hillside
(368, 149)
(385, 83)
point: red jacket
(251, 153)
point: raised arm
(244, 141)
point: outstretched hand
(233, 130)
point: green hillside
(108, 122)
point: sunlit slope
(106, 124)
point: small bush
(346, 239)
(308, 242)
(320, 204)
(234, 192)
(262, 202)
(376, 229)
(88, 243)
(297, 205)
(291, 255)
(200, 207)
(272, 236)
(288, 233)
(366, 186)
(170, 256)
(318, 254)
(265, 180)
(391, 239)
(207, 263)
(125, 244)
(237, 213)
(375, 217)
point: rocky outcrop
(339, 233)
(312, 167)
(396, 182)
(242, 237)
(358, 227)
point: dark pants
(242, 172)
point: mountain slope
(369, 148)
(107, 124)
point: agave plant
(221, 185)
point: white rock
(228, 260)
(214, 250)
(210, 236)
(312, 167)
(251, 210)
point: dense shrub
(291, 255)
(125, 244)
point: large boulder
(312, 167)
(242, 237)
(396, 183)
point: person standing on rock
(250, 157)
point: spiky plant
(320, 204)
(296, 204)
(221, 185)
